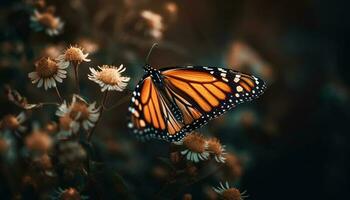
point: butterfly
(171, 102)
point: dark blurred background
(293, 140)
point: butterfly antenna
(150, 51)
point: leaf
(16, 98)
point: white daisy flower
(47, 72)
(109, 78)
(229, 193)
(78, 114)
(74, 55)
(13, 123)
(196, 147)
(46, 21)
(67, 124)
(218, 150)
(155, 23)
(89, 45)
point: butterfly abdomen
(177, 113)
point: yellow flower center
(109, 76)
(48, 20)
(195, 143)
(38, 141)
(70, 194)
(65, 122)
(231, 194)
(81, 109)
(46, 67)
(233, 166)
(10, 122)
(215, 147)
(74, 54)
(51, 127)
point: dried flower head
(71, 154)
(29, 181)
(38, 3)
(38, 141)
(44, 162)
(187, 196)
(47, 72)
(78, 113)
(191, 170)
(233, 166)
(114, 147)
(68, 194)
(228, 193)
(172, 11)
(196, 147)
(68, 124)
(245, 58)
(13, 123)
(154, 24)
(248, 119)
(109, 78)
(160, 172)
(51, 127)
(74, 55)
(89, 45)
(46, 21)
(209, 193)
(175, 157)
(218, 150)
(52, 50)
(171, 7)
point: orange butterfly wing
(198, 93)
(151, 116)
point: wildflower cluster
(198, 148)
(57, 147)
(197, 157)
(47, 140)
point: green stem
(102, 108)
(76, 75)
(58, 94)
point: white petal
(33, 75)
(21, 117)
(58, 79)
(40, 83)
(86, 125)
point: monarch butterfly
(171, 102)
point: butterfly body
(155, 74)
(171, 102)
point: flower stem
(102, 108)
(121, 101)
(58, 94)
(76, 75)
